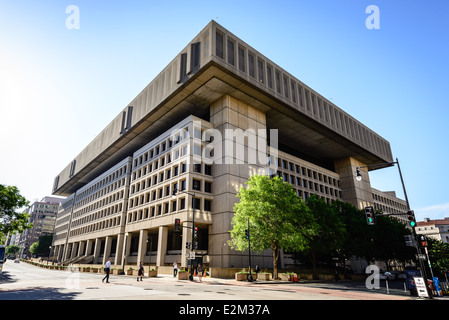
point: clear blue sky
(59, 88)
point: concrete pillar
(119, 249)
(358, 193)
(74, 252)
(89, 247)
(128, 245)
(81, 247)
(143, 236)
(162, 245)
(226, 114)
(97, 250)
(67, 251)
(107, 249)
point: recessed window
(251, 67)
(207, 205)
(183, 70)
(219, 39)
(270, 77)
(196, 185)
(208, 186)
(231, 52)
(260, 71)
(195, 55)
(241, 56)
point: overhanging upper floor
(213, 64)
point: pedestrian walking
(141, 270)
(200, 272)
(175, 268)
(257, 269)
(107, 269)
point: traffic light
(411, 218)
(187, 245)
(422, 241)
(370, 217)
(177, 224)
(195, 232)
(195, 245)
(247, 233)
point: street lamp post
(193, 227)
(359, 178)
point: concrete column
(81, 247)
(119, 249)
(128, 245)
(230, 113)
(58, 252)
(107, 249)
(142, 245)
(67, 251)
(88, 247)
(358, 193)
(74, 252)
(97, 250)
(162, 245)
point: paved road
(22, 281)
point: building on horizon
(218, 113)
(437, 229)
(43, 217)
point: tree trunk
(275, 262)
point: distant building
(43, 217)
(387, 202)
(436, 229)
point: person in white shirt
(175, 268)
(107, 269)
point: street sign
(421, 256)
(409, 241)
(192, 255)
(421, 287)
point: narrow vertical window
(270, 77)
(219, 45)
(183, 72)
(252, 71)
(286, 87)
(242, 62)
(293, 88)
(277, 78)
(260, 71)
(231, 59)
(195, 58)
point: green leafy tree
(438, 255)
(389, 244)
(12, 249)
(42, 247)
(34, 247)
(331, 233)
(278, 218)
(10, 202)
(359, 241)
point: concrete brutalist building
(186, 131)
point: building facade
(219, 113)
(437, 229)
(43, 217)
